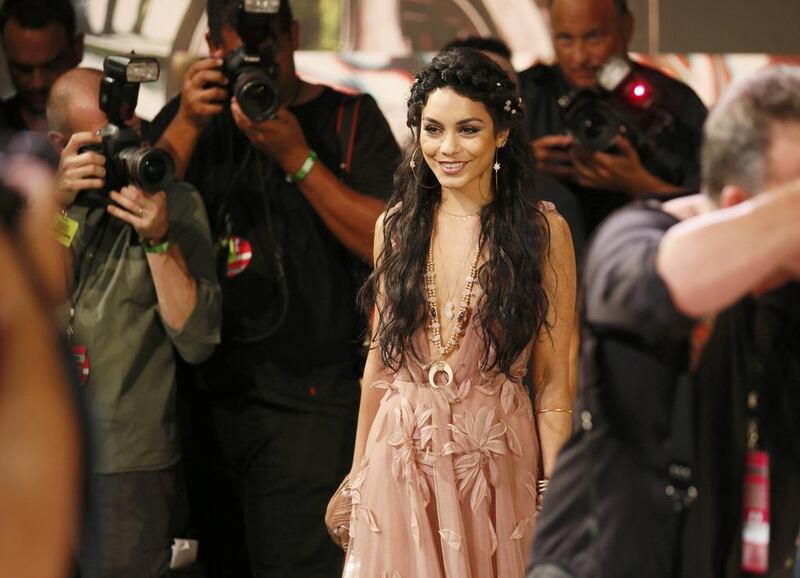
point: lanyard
(756, 495)
(84, 262)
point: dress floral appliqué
(476, 442)
(447, 488)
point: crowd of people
(498, 350)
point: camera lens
(593, 125)
(591, 120)
(257, 94)
(150, 169)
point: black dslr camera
(251, 69)
(623, 103)
(127, 160)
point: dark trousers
(136, 517)
(268, 474)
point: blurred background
(375, 45)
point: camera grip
(91, 147)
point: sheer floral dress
(447, 486)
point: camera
(622, 103)
(251, 69)
(253, 81)
(127, 160)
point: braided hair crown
(470, 74)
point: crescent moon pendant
(437, 368)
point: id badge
(755, 526)
(81, 358)
(64, 230)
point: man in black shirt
(651, 372)
(294, 200)
(40, 44)
(586, 33)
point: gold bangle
(541, 488)
(554, 410)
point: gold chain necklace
(457, 216)
(462, 318)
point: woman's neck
(469, 199)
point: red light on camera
(638, 93)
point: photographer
(687, 409)
(40, 43)
(586, 34)
(293, 195)
(143, 288)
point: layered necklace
(462, 317)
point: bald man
(74, 117)
(586, 34)
(144, 288)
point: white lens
(262, 6)
(142, 71)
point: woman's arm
(551, 352)
(374, 370)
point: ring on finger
(140, 211)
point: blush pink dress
(447, 487)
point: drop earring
(496, 168)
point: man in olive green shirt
(144, 288)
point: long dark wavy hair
(514, 232)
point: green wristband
(159, 248)
(303, 171)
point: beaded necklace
(434, 324)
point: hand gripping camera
(623, 103)
(127, 161)
(251, 69)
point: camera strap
(231, 248)
(346, 128)
(276, 233)
(84, 259)
(83, 262)
(756, 483)
(233, 253)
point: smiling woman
(458, 142)
(448, 469)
